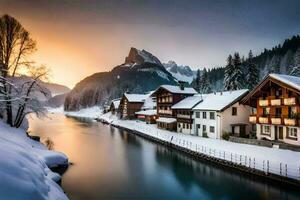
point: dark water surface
(113, 164)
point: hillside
(141, 72)
(180, 72)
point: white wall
(222, 121)
(183, 130)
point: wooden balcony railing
(290, 122)
(183, 116)
(263, 120)
(289, 101)
(275, 102)
(263, 102)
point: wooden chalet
(166, 97)
(275, 103)
(130, 104)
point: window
(253, 111)
(266, 130)
(188, 126)
(212, 115)
(266, 112)
(197, 114)
(183, 125)
(204, 128)
(292, 132)
(234, 111)
(178, 125)
(204, 115)
(212, 129)
(278, 112)
(198, 126)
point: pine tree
(198, 81)
(229, 74)
(205, 86)
(253, 72)
(238, 76)
(296, 64)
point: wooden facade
(276, 110)
(129, 108)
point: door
(243, 131)
(281, 133)
(276, 132)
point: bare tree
(17, 94)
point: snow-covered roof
(146, 112)
(136, 97)
(220, 100)
(149, 103)
(176, 89)
(293, 81)
(116, 103)
(166, 120)
(188, 103)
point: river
(109, 163)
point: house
(149, 116)
(130, 104)
(166, 96)
(276, 107)
(221, 113)
(183, 112)
(114, 106)
(148, 110)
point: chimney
(181, 84)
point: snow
(293, 81)
(256, 157)
(24, 167)
(182, 77)
(148, 57)
(176, 89)
(167, 120)
(146, 112)
(149, 103)
(92, 112)
(136, 97)
(188, 103)
(116, 103)
(218, 101)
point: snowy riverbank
(269, 160)
(24, 167)
(92, 112)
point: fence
(265, 166)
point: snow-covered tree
(197, 83)
(296, 64)
(17, 97)
(239, 79)
(205, 86)
(229, 74)
(252, 76)
(274, 65)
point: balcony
(263, 120)
(252, 119)
(168, 112)
(263, 102)
(275, 102)
(290, 122)
(276, 120)
(289, 101)
(183, 116)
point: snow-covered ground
(24, 167)
(269, 160)
(92, 112)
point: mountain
(180, 72)
(57, 100)
(141, 72)
(56, 89)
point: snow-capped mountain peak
(180, 72)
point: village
(257, 130)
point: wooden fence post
(280, 169)
(286, 170)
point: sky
(77, 38)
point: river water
(109, 163)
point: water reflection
(111, 164)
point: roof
(188, 103)
(146, 112)
(136, 97)
(292, 81)
(116, 103)
(176, 89)
(166, 120)
(221, 100)
(149, 103)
